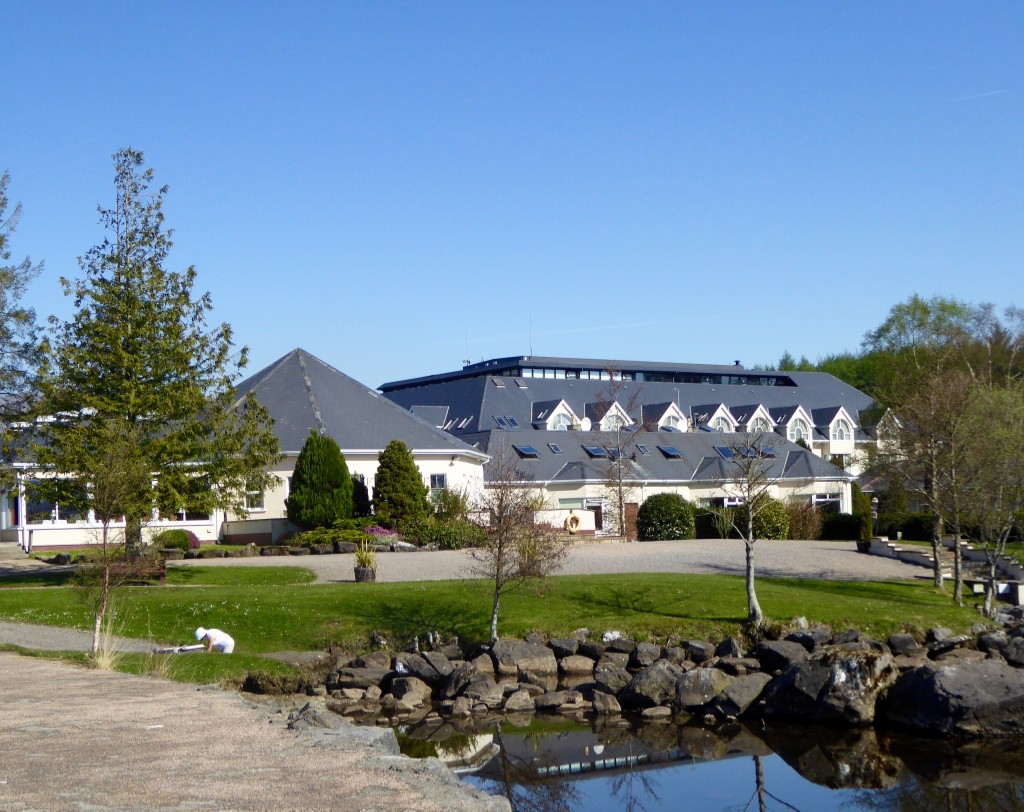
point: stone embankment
(946, 684)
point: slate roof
(301, 392)
(698, 461)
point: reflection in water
(556, 764)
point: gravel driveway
(834, 560)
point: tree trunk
(132, 536)
(101, 611)
(937, 552)
(494, 612)
(990, 588)
(762, 805)
(754, 614)
(958, 575)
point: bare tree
(622, 479)
(993, 500)
(515, 550)
(748, 476)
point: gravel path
(832, 560)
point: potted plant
(366, 562)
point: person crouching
(216, 640)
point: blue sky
(397, 187)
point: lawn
(279, 609)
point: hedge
(665, 516)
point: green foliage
(142, 375)
(321, 487)
(450, 503)
(361, 505)
(862, 510)
(447, 534)
(177, 539)
(841, 527)
(665, 516)
(355, 523)
(771, 520)
(805, 520)
(399, 495)
(327, 536)
(17, 323)
(913, 526)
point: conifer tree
(399, 495)
(138, 353)
(321, 489)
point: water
(556, 765)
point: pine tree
(321, 488)
(138, 353)
(399, 495)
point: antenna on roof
(531, 334)
(467, 360)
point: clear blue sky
(387, 184)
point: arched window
(760, 426)
(841, 430)
(672, 422)
(798, 430)
(560, 422)
(721, 424)
(613, 422)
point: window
(512, 421)
(254, 500)
(798, 430)
(670, 452)
(595, 451)
(721, 424)
(760, 425)
(643, 449)
(555, 448)
(724, 453)
(526, 452)
(841, 430)
(671, 423)
(438, 482)
(615, 453)
(500, 421)
(560, 422)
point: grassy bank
(278, 609)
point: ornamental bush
(772, 521)
(399, 495)
(447, 534)
(177, 539)
(321, 486)
(665, 516)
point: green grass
(275, 609)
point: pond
(554, 764)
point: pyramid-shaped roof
(301, 392)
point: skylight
(670, 451)
(527, 452)
(500, 421)
(595, 451)
(643, 449)
(512, 421)
(724, 453)
(615, 453)
(555, 448)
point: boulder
(558, 699)
(565, 647)
(605, 703)
(810, 639)
(737, 666)
(519, 701)
(739, 695)
(459, 680)
(431, 666)
(358, 678)
(619, 658)
(644, 655)
(947, 644)
(373, 659)
(730, 647)
(694, 689)
(655, 685)
(996, 640)
(778, 655)
(610, 677)
(411, 692)
(968, 699)
(699, 650)
(677, 655)
(591, 648)
(513, 657)
(904, 645)
(963, 655)
(484, 690)
(831, 686)
(1013, 652)
(623, 645)
(576, 665)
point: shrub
(399, 495)
(665, 516)
(360, 497)
(177, 539)
(450, 504)
(328, 536)
(914, 526)
(707, 523)
(321, 486)
(841, 527)
(357, 523)
(448, 535)
(772, 521)
(805, 520)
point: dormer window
(721, 424)
(799, 430)
(760, 426)
(560, 422)
(672, 423)
(841, 430)
(613, 422)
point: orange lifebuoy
(572, 523)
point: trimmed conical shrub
(321, 487)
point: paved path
(75, 738)
(835, 560)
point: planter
(366, 574)
(863, 546)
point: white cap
(200, 633)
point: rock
(558, 699)
(462, 707)
(644, 655)
(778, 655)
(459, 680)
(694, 689)
(591, 648)
(810, 639)
(730, 647)
(611, 677)
(519, 701)
(430, 666)
(972, 699)
(937, 634)
(904, 645)
(513, 657)
(1013, 653)
(739, 695)
(374, 659)
(655, 685)
(737, 666)
(623, 645)
(947, 644)
(699, 650)
(656, 713)
(358, 678)
(996, 640)
(411, 692)
(905, 662)
(831, 686)
(564, 647)
(482, 689)
(483, 664)
(676, 654)
(849, 636)
(575, 664)
(962, 655)
(605, 703)
(315, 716)
(619, 658)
